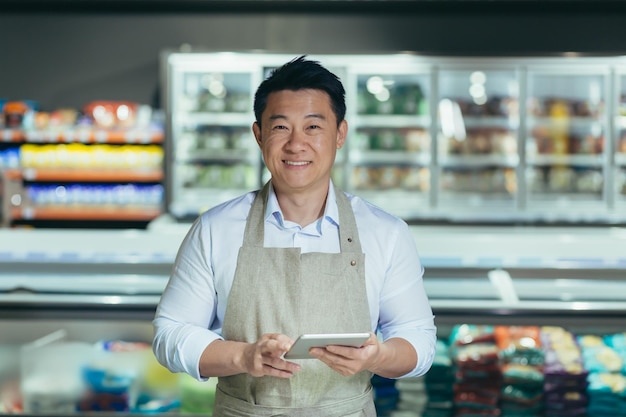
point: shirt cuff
(424, 344)
(194, 348)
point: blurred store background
(497, 129)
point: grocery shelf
(491, 122)
(479, 160)
(87, 135)
(394, 121)
(223, 155)
(86, 174)
(85, 212)
(550, 160)
(11, 135)
(82, 174)
(206, 118)
(389, 157)
(575, 121)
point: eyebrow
(308, 116)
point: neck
(304, 208)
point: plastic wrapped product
(113, 376)
(465, 334)
(607, 395)
(565, 379)
(386, 395)
(478, 376)
(439, 383)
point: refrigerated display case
(99, 285)
(485, 139)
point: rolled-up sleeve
(187, 308)
(405, 311)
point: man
(299, 256)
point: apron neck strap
(348, 233)
(255, 230)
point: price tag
(50, 136)
(28, 213)
(29, 174)
(83, 136)
(102, 136)
(145, 137)
(130, 136)
(33, 136)
(67, 136)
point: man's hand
(391, 359)
(265, 357)
(350, 360)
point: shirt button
(352, 263)
(350, 239)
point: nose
(297, 141)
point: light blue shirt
(191, 311)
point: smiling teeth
(296, 163)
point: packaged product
(112, 114)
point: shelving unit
(83, 175)
(82, 135)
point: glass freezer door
(214, 156)
(389, 149)
(477, 141)
(620, 147)
(565, 145)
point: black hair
(299, 74)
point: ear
(256, 130)
(342, 133)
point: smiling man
(298, 256)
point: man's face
(299, 139)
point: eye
(279, 127)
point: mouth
(296, 163)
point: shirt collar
(331, 211)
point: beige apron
(280, 290)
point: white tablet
(300, 349)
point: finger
(281, 365)
(280, 373)
(276, 344)
(345, 351)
